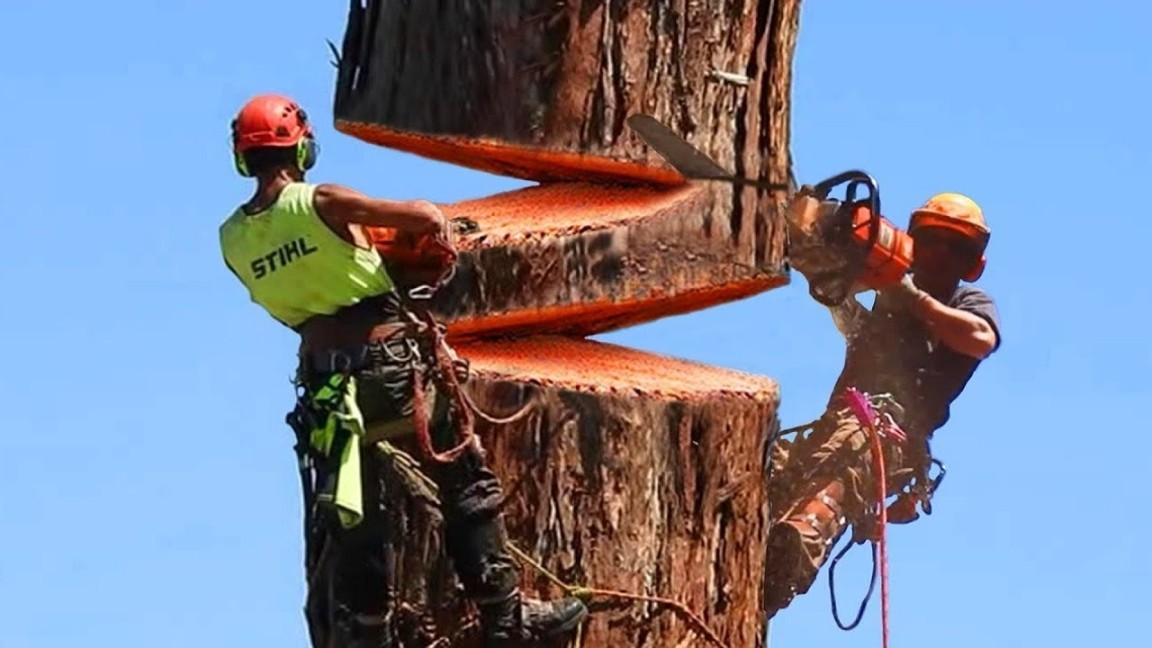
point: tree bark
(581, 259)
(632, 472)
(533, 77)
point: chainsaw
(842, 246)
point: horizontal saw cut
(581, 259)
(635, 472)
(541, 90)
(599, 367)
(639, 475)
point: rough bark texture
(582, 259)
(540, 89)
(632, 472)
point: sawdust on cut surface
(599, 367)
(603, 315)
(512, 159)
(567, 208)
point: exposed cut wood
(633, 472)
(585, 258)
(540, 89)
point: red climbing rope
(861, 406)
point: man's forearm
(965, 332)
(848, 316)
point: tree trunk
(540, 89)
(461, 84)
(581, 259)
(632, 472)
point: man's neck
(268, 188)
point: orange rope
(694, 620)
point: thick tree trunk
(631, 472)
(581, 259)
(634, 473)
(540, 89)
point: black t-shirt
(893, 354)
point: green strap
(339, 440)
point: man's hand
(904, 295)
(962, 331)
(439, 227)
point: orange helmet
(958, 213)
(952, 211)
(272, 121)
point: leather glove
(904, 295)
(903, 510)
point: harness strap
(444, 375)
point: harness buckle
(421, 293)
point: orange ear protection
(977, 270)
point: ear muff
(237, 156)
(307, 150)
(978, 268)
(977, 271)
(241, 165)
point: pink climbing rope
(861, 406)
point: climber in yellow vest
(302, 253)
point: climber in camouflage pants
(304, 255)
(920, 344)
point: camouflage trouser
(820, 483)
(361, 577)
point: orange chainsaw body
(413, 259)
(888, 256)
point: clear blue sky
(151, 497)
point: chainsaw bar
(689, 161)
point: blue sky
(151, 495)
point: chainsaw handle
(873, 205)
(855, 178)
(825, 187)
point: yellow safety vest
(294, 265)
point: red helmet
(269, 120)
(272, 120)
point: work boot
(477, 542)
(490, 577)
(515, 618)
(478, 546)
(798, 545)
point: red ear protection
(977, 271)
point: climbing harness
(446, 377)
(331, 418)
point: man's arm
(340, 206)
(849, 316)
(971, 328)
